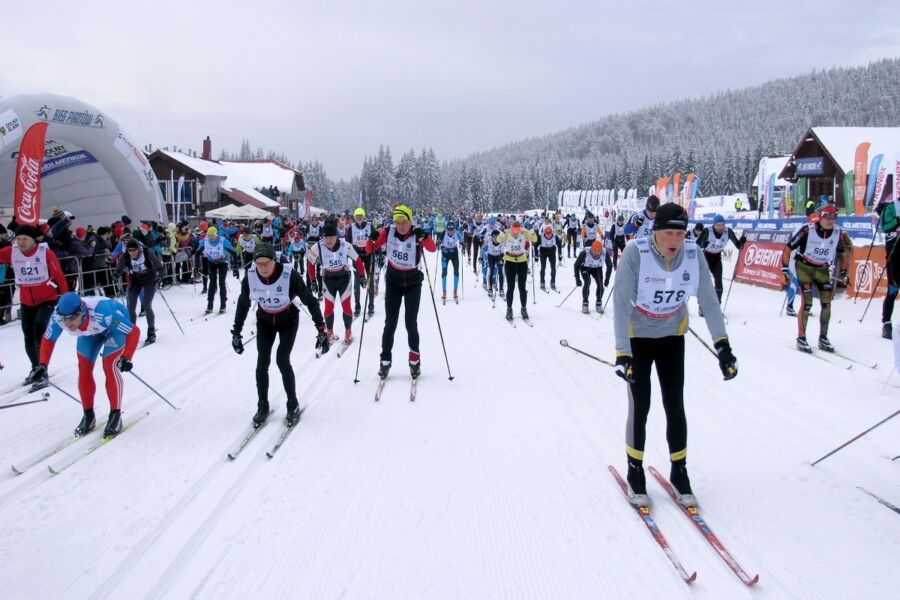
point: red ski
(693, 514)
(644, 512)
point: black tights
(265, 339)
(395, 293)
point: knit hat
(132, 243)
(652, 203)
(126, 220)
(212, 230)
(32, 232)
(597, 246)
(264, 250)
(403, 213)
(670, 216)
(81, 232)
(360, 212)
(718, 219)
(329, 229)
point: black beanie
(652, 203)
(32, 232)
(329, 230)
(132, 243)
(670, 216)
(264, 250)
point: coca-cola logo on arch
(30, 179)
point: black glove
(578, 282)
(624, 368)
(322, 344)
(420, 234)
(236, 341)
(124, 364)
(727, 362)
(236, 273)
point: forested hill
(719, 137)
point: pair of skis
(691, 513)
(412, 389)
(52, 451)
(527, 321)
(255, 429)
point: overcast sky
(332, 80)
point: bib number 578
(665, 297)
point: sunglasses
(72, 318)
(828, 216)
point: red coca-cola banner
(28, 175)
(760, 260)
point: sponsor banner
(860, 166)
(856, 227)
(868, 276)
(135, 158)
(810, 166)
(760, 260)
(64, 116)
(10, 127)
(66, 161)
(28, 175)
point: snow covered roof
(262, 174)
(245, 194)
(207, 168)
(841, 142)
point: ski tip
(269, 455)
(52, 470)
(231, 456)
(752, 581)
(16, 470)
(691, 578)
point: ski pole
(868, 255)
(136, 376)
(59, 389)
(565, 344)
(702, 341)
(163, 296)
(733, 274)
(43, 399)
(567, 296)
(850, 441)
(434, 304)
(462, 282)
(533, 277)
(362, 333)
(608, 298)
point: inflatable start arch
(91, 167)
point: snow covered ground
(494, 485)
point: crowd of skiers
(324, 265)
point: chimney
(207, 149)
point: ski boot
(803, 345)
(151, 336)
(222, 310)
(509, 313)
(599, 307)
(32, 376)
(886, 331)
(415, 365)
(824, 344)
(637, 483)
(524, 313)
(585, 308)
(543, 287)
(678, 477)
(88, 422)
(383, 369)
(293, 412)
(371, 312)
(790, 310)
(331, 336)
(208, 310)
(348, 336)
(262, 413)
(456, 296)
(553, 287)
(356, 311)
(113, 424)
(444, 296)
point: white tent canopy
(230, 211)
(91, 166)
